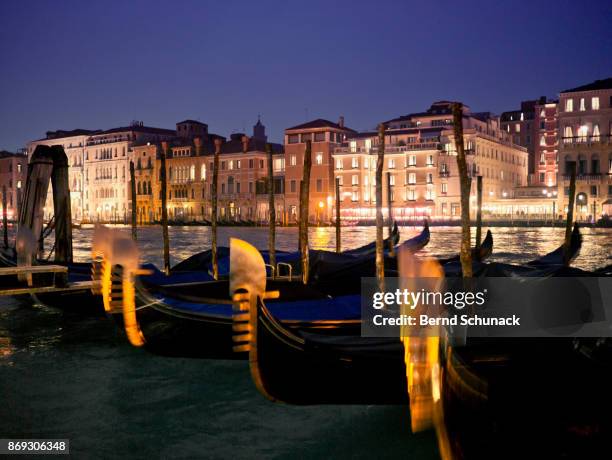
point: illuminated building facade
(74, 143)
(420, 157)
(585, 129)
(325, 137)
(13, 173)
(546, 148)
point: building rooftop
(7, 154)
(597, 84)
(319, 123)
(196, 122)
(138, 128)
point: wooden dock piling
(4, 217)
(164, 205)
(570, 215)
(338, 243)
(304, 202)
(478, 211)
(271, 211)
(213, 216)
(133, 197)
(389, 212)
(380, 259)
(465, 185)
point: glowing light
(321, 204)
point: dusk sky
(68, 65)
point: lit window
(595, 103)
(355, 196)
(230, 165)
(339, 180)
(319, 158)
(293, 160)
(338, 163)
(355, 162)
(444, 188)
(569, 105)
(429, 193)
(18, 184)
(412, 160)
(203, 172)
(392, 179)
(353, 146)
(411, 195)
(391, 163)
(543, 141)
(355, 179)
(582, 105)
(412, 178)
(430, 161)
(596, 132)
(429, 178)
(517, 128)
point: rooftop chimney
(245, 144)
(341, 121)
(218, 143)
(197, 141)
(164, 145)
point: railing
(392, 148)
(592, 176)
(444, 173)
(586, 140)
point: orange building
(325, 136)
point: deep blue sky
(102, 64)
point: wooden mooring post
(271, 211)
(465, 186)
(478, 211)
(380, 256)
(338, 244)
(133, 197)
(164, 205)
(567, 244)
(304, 207)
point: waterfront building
(521, 126)
(585, 129)
(325, 137)
(106, 170)
(74, 143)
(242, 182)
(420, 158)
(546, 145)
(13, 173)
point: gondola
(293, 365)
(195, 318)
(195, 269)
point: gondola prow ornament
(247, 283)
(120, 262)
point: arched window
(139, 192)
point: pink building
(13, 173)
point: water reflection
(512, 245)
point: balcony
(585, 141)
(444, 173)
(588, 177)
(392, 148)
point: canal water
(65, 376)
